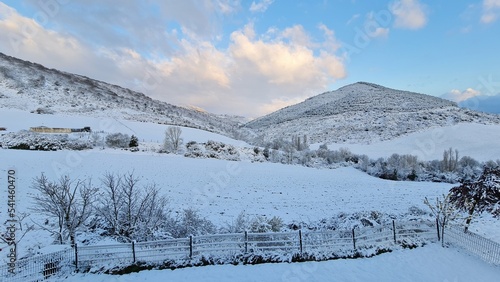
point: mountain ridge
(363, 112)
(32, 87)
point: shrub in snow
(219, 150)
(134, 142)
(212, 149)
(190, 223)
(266, 153)
(43, 111)
(263, 225)
(241, 224)
(194, 150)
(27, 140)
(118, 140)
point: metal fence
(40, 267)
(485, 249)
(320, 244)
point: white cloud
(260, 7)
(380, 32)
(374, 27)
(491, 11)
(285, 63)
(409, 14)
(456, 95)
(254, 75)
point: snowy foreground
(221, 190)
(429, 263)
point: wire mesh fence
(38, 268)
(485, 249)
(318, 244)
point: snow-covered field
(430, 263)
(220, 190)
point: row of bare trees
(120, 205)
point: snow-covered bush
(261, 224)
(194, 150)
(190, 222)
(118, 140)
(27, 140)
(219, 150)
(43, 111)
(212, 149)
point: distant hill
(363, 113)
(486, 104)
(33, 87)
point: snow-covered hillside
(32, 87)
(360, 113)
(364, 113)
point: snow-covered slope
(32, 87)
(364, 113)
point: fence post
(394, 231)
(442, 235)
(300, 240)
(133, 250)
(353, 239)
(76, 256)
(191, 246)
(246, 242)
(437, 227)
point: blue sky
(252, 57)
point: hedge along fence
(226, 248)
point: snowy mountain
(32, 87)
(364, 113)
(360, 113)
(487, 104)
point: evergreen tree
(480, 195)
(134, 142)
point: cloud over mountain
(181, 62)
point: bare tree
(173, 139)
(7, 238)
(129, 210)
(70, 202)
(444, 211)
(111, 202)
(450, 160)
